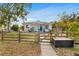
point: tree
(2, 16)
(21, 10)
(11, 11)
(70, 23)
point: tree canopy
(10, 11)
(70, 23)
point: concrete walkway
(47, 50)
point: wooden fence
(49, 35)
(19, 36)
(29, 36)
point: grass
(13, 48)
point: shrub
(15, 27)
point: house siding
(37, 26)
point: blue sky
(48, 12)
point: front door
(41, 28)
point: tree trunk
(24, 24)
(8, 25)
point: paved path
(47, 50)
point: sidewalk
(47, 50)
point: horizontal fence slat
(10, 37)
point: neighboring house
(37, 26)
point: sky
(48, 12)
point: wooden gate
(45, 37)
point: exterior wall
(25, 29)
(36, 27)
(50, 27)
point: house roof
(38, 23)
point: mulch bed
(64, 52)
(67, 51)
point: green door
(41, 28)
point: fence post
(19, 37)
(38, 39)
(2, 34)
(67, 33)
(50, 36)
